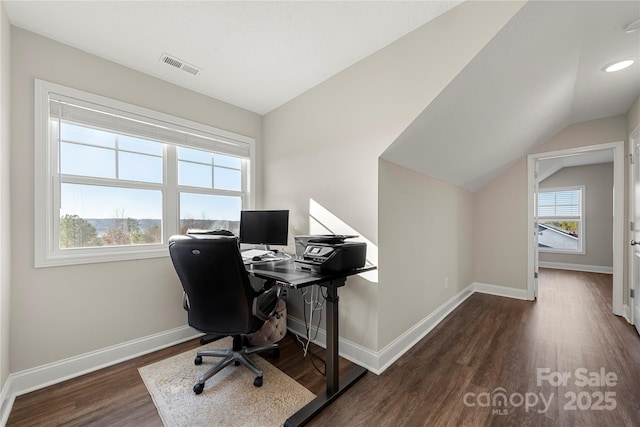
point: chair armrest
(265, 303)
(185, 301)
(267, 285)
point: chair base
(238, 354)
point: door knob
(633, 243)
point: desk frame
(335, 386)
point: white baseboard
(501, 291)
(395, 349)
(6, 402)
(348, 349)
(378, 361)
(636, 314)
(576, 267)
(22, 382)
(626, 313)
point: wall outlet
(446, 282)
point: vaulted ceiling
(540, 73)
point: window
(114, 181)
(560, 220)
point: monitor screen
(264, 227)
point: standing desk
(288, 275)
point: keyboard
(250, 253)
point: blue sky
(95, 153)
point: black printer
(332, 253)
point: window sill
(73, 257)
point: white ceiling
(253, 54)
(550, 165)
(540, 73)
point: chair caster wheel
(197, 389)
(198, 361)
(257, 382)
(236, 363)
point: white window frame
(581, 220)
(47, 179)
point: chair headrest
(192, 237)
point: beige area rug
(229, 397)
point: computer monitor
(264, 227)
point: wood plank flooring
(453, 377)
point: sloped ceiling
(540, 73)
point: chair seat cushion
(273, 329)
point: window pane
(139, 145)
(546, 199)
(546, 211)
(139, 167)
(194, 155)
(227, 161)
(194, 175)
(210, 212)
(227, 179)
(559, 235)
(567, 203)
(92, 215)
(559, 203)
(87, 161)
(69, 132)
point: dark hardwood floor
(536, 355)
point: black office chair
(220, 299)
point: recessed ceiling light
(632, 26)
(617, 66)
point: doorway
(616, 152)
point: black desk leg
(335, 387)
(333, 371)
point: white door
(634, 204)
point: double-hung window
(114, 181)
(560, 219)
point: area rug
(229, 397)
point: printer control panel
(317, 253)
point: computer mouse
(256, 258)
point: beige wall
(5, 225)
(61, 312)
(500, 245)
(427, 253)
(598, 215)
(324, 146)
(500, 226)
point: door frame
(634, 137)
(619, 237)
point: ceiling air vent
(175, 62)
